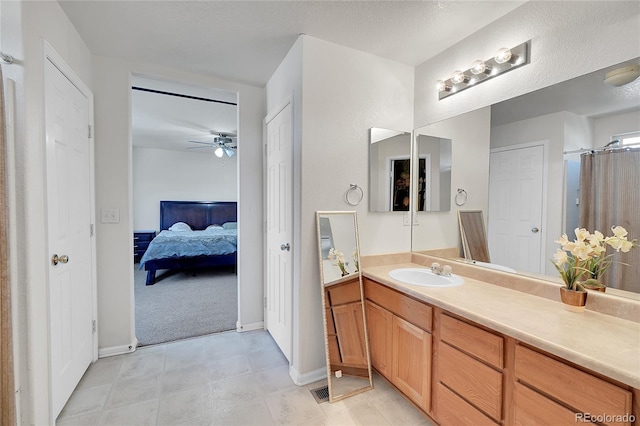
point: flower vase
(572, 300)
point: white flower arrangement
(339, 257)
(586, 255)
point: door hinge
(91, 230)
(93, 326)
(89, 127)
(265, 303)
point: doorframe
(49, 54)
(545, 175)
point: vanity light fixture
(504, 60)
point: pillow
(230, 225)
(180, 227)
(214, 227)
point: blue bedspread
(171, 244)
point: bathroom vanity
(497, 350)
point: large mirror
(433, 172)
(345, 331)
(548, 130)
(389, 170)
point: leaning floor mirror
(345, 331)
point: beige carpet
(183, 304)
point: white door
(515, 208)
(68, 162)
(279, 291)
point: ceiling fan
(222, 142)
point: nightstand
(141, 240)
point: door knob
(55, 259)
(285, 247)
(535, 230)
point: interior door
(515, 208)
(69, 221)
(279, 291)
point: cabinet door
(350, 331)
(379, 326)
(411, 369)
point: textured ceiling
(245, 41)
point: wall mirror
(345, 332)
(571, 117)
(433, 174)
(389, 170)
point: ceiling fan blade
(200, 147)
(203, 143)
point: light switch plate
(110, 216)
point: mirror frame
(325, 307)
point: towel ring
(350, 198)
(461, 197)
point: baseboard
(249, 327)
(306, 378)
(117, 350)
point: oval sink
(424, 276)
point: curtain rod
(602, 149)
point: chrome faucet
(445, 270)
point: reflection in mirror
(434, 174)
(473, 236)
(346, 343)
(389, 170)
(573, 117)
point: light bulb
(458, 77)
(219, 152)
(503, 55)
(479, 67)
(441, 86)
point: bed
(193, 234)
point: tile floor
(221, 379)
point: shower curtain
(609, 196)
(7, 406)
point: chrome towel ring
(354, 195)
(461, 197)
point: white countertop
(602, 343)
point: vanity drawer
(453, 410)
(473, 340)
(411, 310)
(568, 384)
(474, 381)
(532, 408)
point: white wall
(342, 93)
(568, 39)
(177, 175)
(470, 138)
(24, 26)
(604, 128)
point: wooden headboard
(197, 214)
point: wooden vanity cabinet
(468, 373)
(462, 373)
(548, 389)
(400, 341)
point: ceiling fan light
(230, 152)
(219, 152)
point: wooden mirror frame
(473, 235)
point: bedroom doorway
(183, 149)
